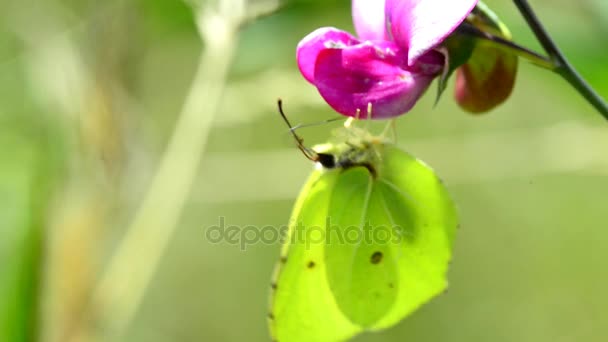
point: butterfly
(369, 241)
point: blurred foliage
(90, 92)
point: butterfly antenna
(298, 126)
(308, 153)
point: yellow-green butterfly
(369, 241)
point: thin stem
(135, 261)
(563, 67)
(509, 46)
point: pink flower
(392, 61)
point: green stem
(132, 266)
(562, 66)
(508, 46)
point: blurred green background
(90, 92)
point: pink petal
(318, 40)
(369, 19)
(420, 25)
(371, 73)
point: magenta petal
(419, 25)
(369, 19)
(351, 78)
(309, 47)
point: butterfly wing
(361, 269)
(302, 305)
(417, 202)
(362, 252)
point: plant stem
(137, 256)
(509, 46)
(563, 67)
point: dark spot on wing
(311, 264)
(273, 286)
(270, 316)
(391, 286)
(376, 257)
(283, 259)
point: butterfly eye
(327, 160)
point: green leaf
(26, 181)
(485, 19)
(368, 243)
